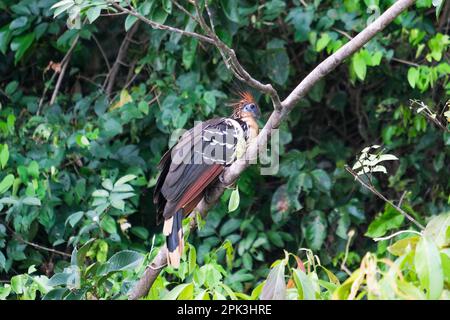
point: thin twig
(179, 6)
(379, 195)
(35, 245)
(110, 79)
(159, 26)
(402, 198)
(64, 63)
(409, 63)
(347, 249)
(44, 92)
(425, 110)
(345, 34)
(102, 52)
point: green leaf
(275, 285)
(18, 283)
(317, 91)
(304, 285)
(210, 100)
(5, 38)
(125, 188)
(82, 141)
(82, 252)
(314, 228)
(359, 65)
(181, 291)
(322, 42)
(438, 228)
(31, 201)
(189, 53)
(33, 169)
(125, 179)
(445, 258)
(143, 107)
(275, 238)
(403, 246)
(413, 76)
(4, 155)
(4, 292)
(124, 260)
(390, 219)
(21, 44)
(233, 203)
(19, 22)
(59, 279)
(230, 8)
(118, 204)
(129, 22)
(276, 61)
(376, 59)
(56, 294)
(100, 193)
(108, 224)
(428, 266)
(230, 226)
(6, 183)
(93, 13)
(159, 16)
(167, 6)
(192, 259)
(322, 180)
(2, 261)
(102, 251)
(292, 163)
(140, 232)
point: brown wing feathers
(193, 164)
(181, 186)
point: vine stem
(396, 234)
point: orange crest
(243, 98)
(246, 97)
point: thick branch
(233, 172)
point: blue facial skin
(252, 108)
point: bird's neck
(249, 126)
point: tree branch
(281, 110)
(160, 26)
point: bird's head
(246, 106)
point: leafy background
(76, 214)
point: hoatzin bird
(195, 163)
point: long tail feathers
(173, 230)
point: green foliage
(79, 173)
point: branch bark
(281, 109)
